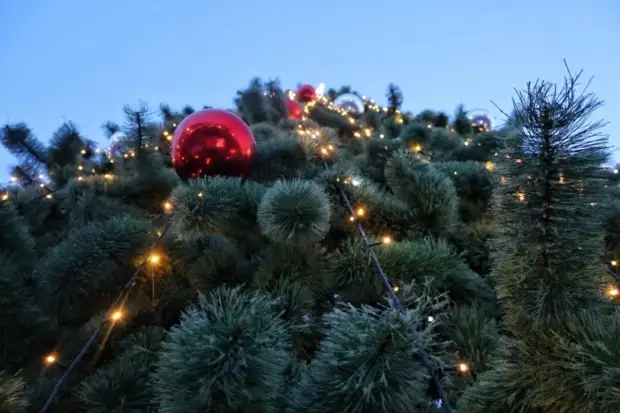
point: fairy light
(50, 359)
(116, 315)
(614, 263)
(5, 196)
(613, 292)
(360, 212)
(154, 259)
(490, 166)
(396, 288)
(463, 367)
(167, 205)
(387, 240)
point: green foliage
(19, 140)
(552, 370)
(501, 390)
(123, 385)
(429, 193)
(215, 206)
(293, 315)
(473, 186)
(212, 261)
(265, 131)
(547, 212)
(91, 261)
(295, 213)
(368, 362)
(312, 267)
(228, 353)
(473, 336)
(416, 133)
(15, 236)
(21, 320)
(12, 397)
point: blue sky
(83, 60)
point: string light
(613, 292)
(116, 315)
(167, 205)
(154, 259)
(463, 367)
(50, 359)
(386, 240)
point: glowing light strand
(393, 297)
(110, 315)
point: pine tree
(125, 289)
(561, 352)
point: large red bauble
(212, 142)
(306, 93)
(294, 109)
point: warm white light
(116, 315)
(50, 359)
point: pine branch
(19, 140)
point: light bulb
(116, 315)
(50, 359)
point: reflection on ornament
(481, 120)
(212, 142)
(294, 109)
(350, 105)
(350, 102)
(306, 93)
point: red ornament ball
(294, 109)
(306, 93)
(212, 142)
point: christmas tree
(367, 260)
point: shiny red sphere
(212, 142)
(294, 109)
(306, 93)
